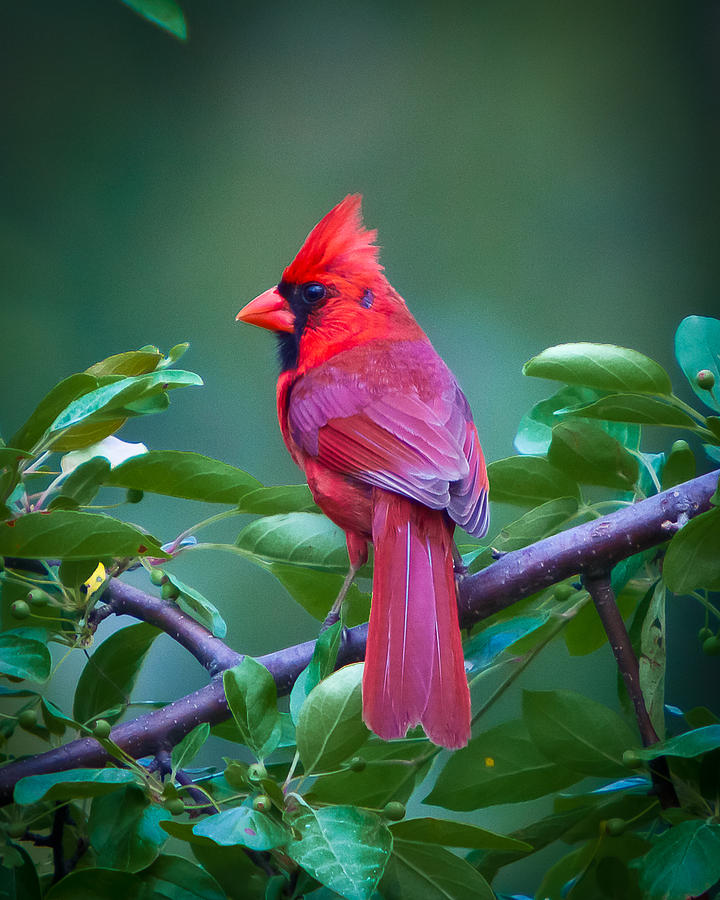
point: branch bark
(599, 587)
(603, 542)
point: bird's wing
(393, 416)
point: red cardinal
(387, 442)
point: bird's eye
(313, 292)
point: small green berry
(174, 806)
(27, 719)
(631, 759)
(711, 646)
(158, 577)
(102, 729)
(705, 379)
(357, 764)
(704, 634)
(394, 810)
(256, 772)
(169, 591)
(563, 592)
(20, 609)
(37, 597)
(262, 803)
(680, 447)
(615, 826)
(16, 830)
(134, 496)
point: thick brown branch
(516, 575)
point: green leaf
(591, 456)
(321, 664)
(132, 362)
(67, 534)
(501, 765)
(189, 747)
(112, 399)
(238, 876)
(483, 648)
(174, 354)
(50, 407)
(330, 726)
(697, 347)
(431, 873)
(636, 408)
(175, 878)
(343, 847)
(316, 591)
(181, 474)
(252, 697)
(10, 457)
(302, 539)
(20, 882)
(124, 829)
(167, 15)
(392, 770)
(652, 657)
(199, 607)
(693, 557)
(687, 745)
(54, 718)
(83, 483)
(534, 525)
(535, 430)
(280, 498)
(539, 835)
(680, 465)
(243, 825)
(97, 884)
(604, 367)
(109, 675)
(684, 862)
(577, 732)
(70, 783)
(565, 872)
(528, 481)
(428, 830)
(24, 657)
(169, 878)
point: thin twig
(60, 820)
(599, 587)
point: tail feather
(414, 667)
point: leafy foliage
(320, 809)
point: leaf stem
(218, 517)
(523, 663)
(709, 607)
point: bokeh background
(538, 172)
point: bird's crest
(338, 244)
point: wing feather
(395, 418)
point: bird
(386, 439)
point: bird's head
(331, 294)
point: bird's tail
(414, 667)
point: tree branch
(210, 651)
(518, 574)
(599, 587)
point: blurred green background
(538, 172)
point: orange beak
(270, 311)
